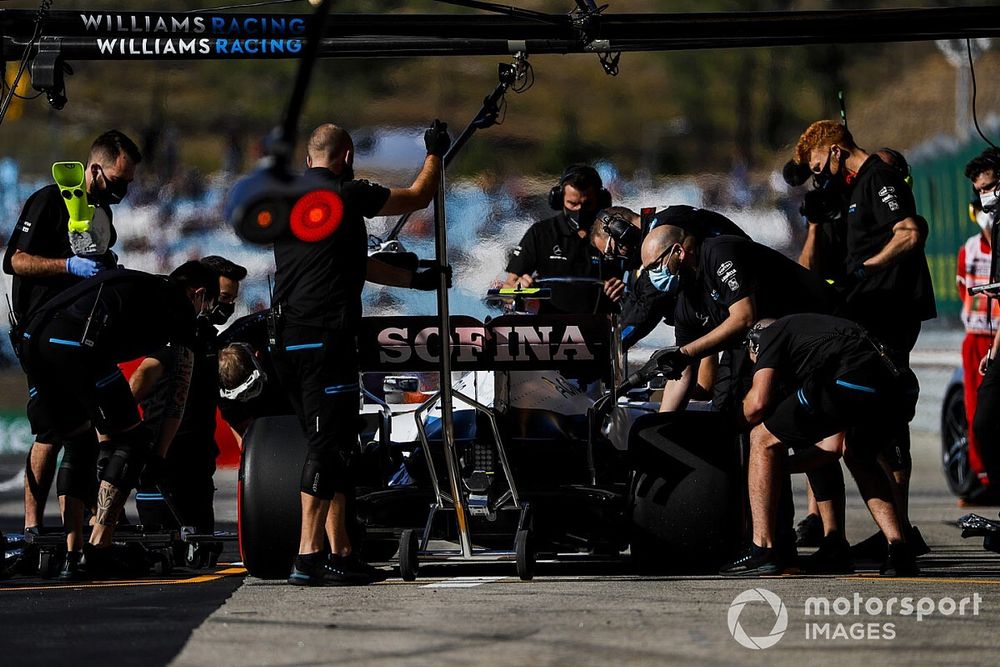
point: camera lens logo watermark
(780, 618)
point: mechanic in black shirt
(644, 306)
(190, 451)
(816, 376)
(560, 246)
(318, 291)
(888, 285)
(42, 263)
(722, 285)
(70, 349)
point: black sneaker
(353, 563)
(900, 561)
(754, 561)
(916, 541)
(809, 532)
(312, 570)
(832, 557)
(872, 549)
(72, 569)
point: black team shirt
(42, 230)
(552, 248)
(902, 296)
(731, 268)
(319, 284)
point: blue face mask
(664, 281)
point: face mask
(221, 313)
(985, 221)
(988, 200)
(665, 281)
(112, 194)
(580, 218)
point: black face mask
(113, 193)
(580, 218)
(221, 313)
(825, 178)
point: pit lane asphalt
(486, 616)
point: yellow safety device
(69, 176)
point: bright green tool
(69, 176)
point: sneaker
(72, 569)
(754, 561)
(872, 549)
(900, 561)
(315, 570)
(916, 541)
(875, 548)
(352, 563)
(832, 557)
(809, 532)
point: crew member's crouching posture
(70, 349)
(816, 376)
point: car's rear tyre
(269, 507)
(955, 446)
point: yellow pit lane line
(200, 579)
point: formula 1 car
(547, 461)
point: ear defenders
(574, 171)
(621, 230)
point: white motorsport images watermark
(855, 618)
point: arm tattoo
(109, 502)
(180, 381)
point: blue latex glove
(82, 267)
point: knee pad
(827, 482)
(896, 452)
(324, 475)
(77, 476)
(126, 454)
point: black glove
(429, 279)
(822, 206)
(436, 138)
(152, 472)
(670, 361)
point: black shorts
(868, 398)
(71, 384)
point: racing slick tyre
(955, 445)
(685, 496)
(524, 549)
(269, 509)
(409, 544)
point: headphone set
(621, 230)
(557, 191)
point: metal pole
(447, 414)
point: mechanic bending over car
(316, 315)
(42, 261)
(816, 376)
(722, 285)
(984, 172)
(887, 285)
(644, 306)
(188, 449)
(559, 247)
(70, 349)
